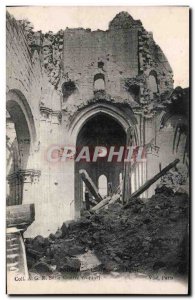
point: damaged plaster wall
(64, 74)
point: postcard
(98, 150)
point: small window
(99, 82)
(68, 88)
(100, 65)
(152, 83)
(103, 185)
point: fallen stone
(163, 189)
(58, 234)
(38, 241)
(110, 266)
(76, 250)
(120, 238)
(64, 229)
(86, 214)
(42, 267)
(34, 253)
(52, 236)
(70, 265)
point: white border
(4, 3)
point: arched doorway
(18, 146)
(13, 159)
(103, 185)
(99, 130)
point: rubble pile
(175, 180)
(150, 236)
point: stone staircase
(15, 254)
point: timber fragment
(90, 185)
(148, 183)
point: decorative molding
(28, 175)
(45, 110)
(54, 115)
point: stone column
(152, 155)
(30, 180)
(14, 198)
(23, 186)
(127, 170)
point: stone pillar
(152, 149)
(15, 193)
(149, 129)
(30, 180)
(127, 170)
(23, 186)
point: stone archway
(20, 136)
(121, 114)
(17, 106)
(100, 130)
(103, 185)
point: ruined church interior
(78, 88)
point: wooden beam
(107, 200)
(148, 183)
(20, 215)
(90, 185)
(101, 204)
(114, 199)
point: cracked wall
(69, 76)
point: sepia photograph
(98, 150)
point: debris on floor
(149, 236)
(175, 180)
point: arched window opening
(103, 185)
(91, 133)
(17, 152)
(134, 90)
(68, 88)
(100, 65)
(99, 82)
(13, 159)
(152, 83)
